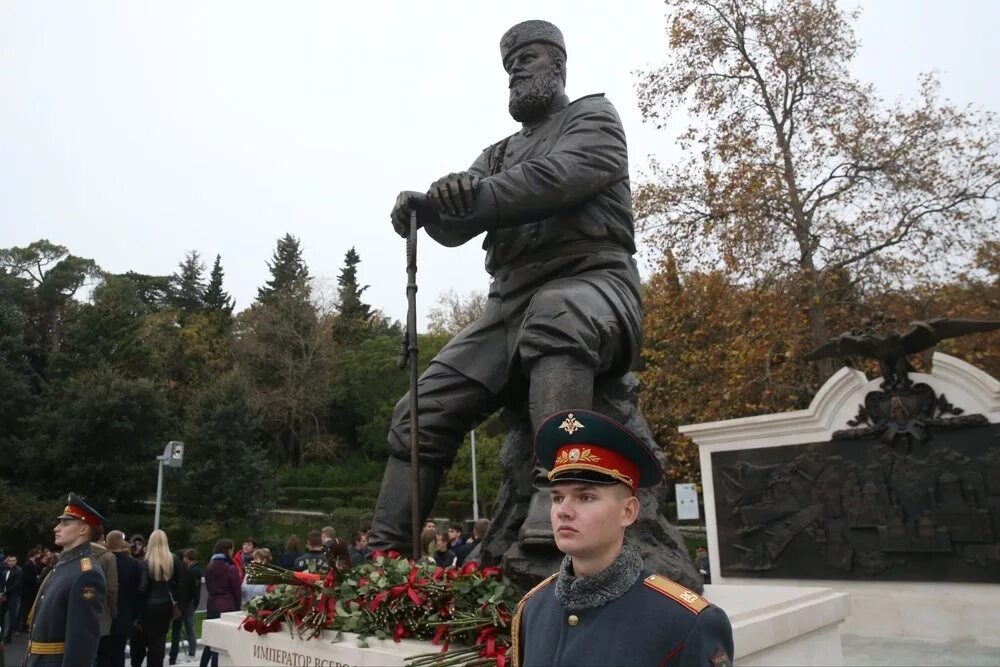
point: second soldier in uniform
(66, 618)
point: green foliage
(225, 475)
(25, 518)
(188, 285)
(366, 383)
(455, 498)
(216, 299)
(354, 316)
(289, 272)
(99, 436)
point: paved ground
(858, 652)
(14, 655)
(880, 652)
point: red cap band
(593, 458)
(83, 515)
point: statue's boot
(393, 521)
(557, 383)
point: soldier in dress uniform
(604, 607)
(66, 618)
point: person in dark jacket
(66, 619)
(313, 560)
(224, 587)
(188, 598)
(29, 584)
(293, 549)
(11, 580)
(358, 549)
(158, 585)
(443, 555)
(111, 651)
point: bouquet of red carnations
(466, 610)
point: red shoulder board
(682, 596)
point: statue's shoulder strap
(494, 160)
(515, 624)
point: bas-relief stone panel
(859, 508)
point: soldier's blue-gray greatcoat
(66, 619)
(655, 622)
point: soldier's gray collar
(609, 584)
(76, 552)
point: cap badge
(577, 455)
(570, 424)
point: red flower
(488, 572)
(440, 634)
(438, 573)
(399, 632)
(489, 641)
(378, 600)
(307, 577)
(411, 588)
(470, 567)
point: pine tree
(216, 299)
(189, 284)
(354, 316)
(288, 270)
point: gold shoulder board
(86, 565)
(683, 596)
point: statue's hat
(529, 32)
(586, 446)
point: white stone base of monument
(772, 625)
(928, 611)
(238, 648)
(783, 625)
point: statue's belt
(583, 247)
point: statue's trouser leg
(571, 334)
(557, 383)
(450, 405)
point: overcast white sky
(132, 132)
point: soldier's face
(589, 520)
(11, 561)
(70, 531)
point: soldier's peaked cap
(586, 446)
(76, 508)
(529, 32)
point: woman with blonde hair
(158, 587)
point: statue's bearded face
(535, 79)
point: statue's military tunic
(655, 622)
(555, 203)
(66, 618)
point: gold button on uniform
(573, 619)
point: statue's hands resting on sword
(453, 195)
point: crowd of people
(152, 591)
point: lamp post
(173, 456)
